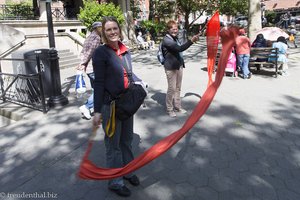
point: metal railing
(8, 51)
(63, 34)
(24, 89)
(60, 13)
(22, 12)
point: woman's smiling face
(112, 31)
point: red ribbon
(212, 41)
(88, 170)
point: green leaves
(234, 7)
(92, 11)
(157, 27)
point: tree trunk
(254, 18)
(151, 10)
(130, 28)
(186, 21)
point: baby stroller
(231, 65)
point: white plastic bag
(80, 86)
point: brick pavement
(246, 147)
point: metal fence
(23, 89)
(22, 12)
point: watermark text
(26, 195)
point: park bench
(264, 53)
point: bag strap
(129, 73)
(124, 64)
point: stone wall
(14, 31)
(9, 37)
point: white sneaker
(285, 73)
(92, 111)
(171, 114)
(85, 112)
(180, 110)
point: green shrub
(92, 11)
(271, 16)
(82, 34)
(154, 28)
(21, 10)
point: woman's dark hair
(106, 19)
(260, 37)
(281, 39)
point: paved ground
(246, 147)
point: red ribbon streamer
(88, 170)
(212, 41)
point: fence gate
(23, 89)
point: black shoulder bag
(128, 102)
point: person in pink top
(242, 47)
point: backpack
(160, 55)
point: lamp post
(57, 98)
(50, 24)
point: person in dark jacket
(111, 80)
(174, 64)
(259, 41)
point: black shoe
(122, 191)
(133, 180)
(249, 75)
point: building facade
(282, 6)
(143, 6)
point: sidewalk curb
(10, 114)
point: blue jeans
(119, 146)
(90, 101)
(243, 62)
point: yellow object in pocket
(111, 123)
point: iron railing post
(2, 82)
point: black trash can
(31, 68)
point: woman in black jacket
(174, 64)
(111, 79)
(259, 41)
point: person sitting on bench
(260, 42)
(142, 42)
(282, 60)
